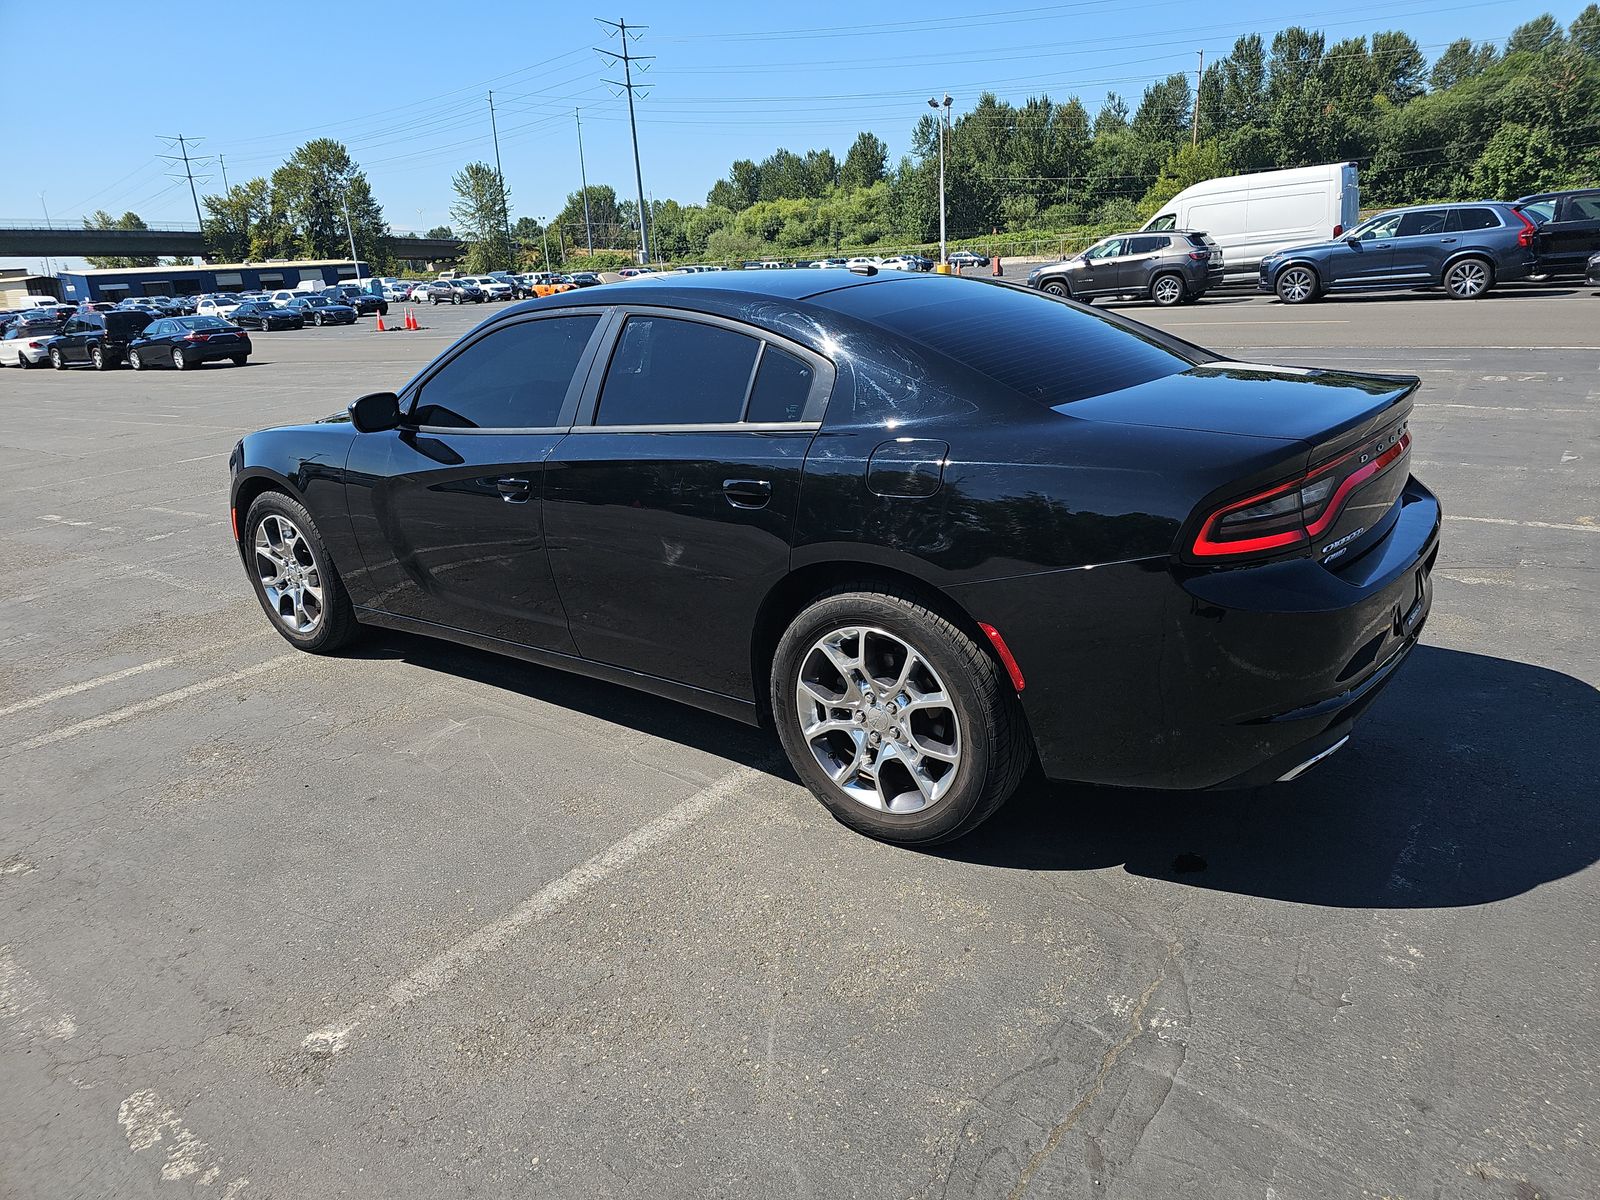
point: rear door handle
(747, 493)
(1447, 241)
(514, 491)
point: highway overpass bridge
(177, 241)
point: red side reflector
(233, 516)
(1004, 651)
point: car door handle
(1447, 241)
(514, 491)
(747, 493)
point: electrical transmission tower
(621, 30)
(189, 164)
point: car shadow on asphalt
(666, 719)
(1472, 779)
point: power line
(620, 30)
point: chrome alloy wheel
(1296, 285)
(1167, 290)
(288, 574)
(1468, 278)
(877, 717)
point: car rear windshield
(1043, 348)
(125, 323)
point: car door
(80, 331)
(669, 510)
(1421, 244)
(1366, 256)
(1572, 234)
(1094, 273)
(1137, 263)
(447, 508)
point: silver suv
(1168, 268)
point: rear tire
(974, 718)
(238, 360)
(1168, 290)
(1468, 278)
(335, 622)
(56, 360)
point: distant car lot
(550, 937)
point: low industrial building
(119, 283)
(18, 283)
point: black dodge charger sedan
(188, 342)
(260, 314)
(929, 528)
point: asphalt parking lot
(420, 922)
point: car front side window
(1378, 228)
(516, 377)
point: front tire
(180, 360)
(135, 360)
(1468, 278)
(902, 724)
(294, 578)
(1297, 285)
(1056, 288)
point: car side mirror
(375, 412)
(1352, 240)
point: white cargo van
(1251, 216)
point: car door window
(1108, 249)
(782, 387)
(1581, 208)
(670, 372)
(1464, 220)
(1423, 222)
(1165, 221)
(515, 378)
(1146, 245)
(1380, 228)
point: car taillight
(1293, 513)
(1338, 231)
(35, 345)
(1199, 255)
(1529, 230)
(197, 337)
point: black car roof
(718, 288)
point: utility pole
(223, 163)
(583, 178)
(505, 209)
(188, 169)
(48, 264)
(355, 263)
(1194, 136)
(620, 30)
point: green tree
(1163, 113)
(1517, 160)
(128, 220)
(1113, 115)
(479, 211)
(312, 193)
(1540, 34)
(239, 225)
(1461, 60)
(1187, 166)
(1398, 66)
(1584, 32)
(864, 163)
(602, 216)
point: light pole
(943, 117)
(544, 231)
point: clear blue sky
(728, 81)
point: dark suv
(1167, 268)
(1569, 229)
(1466, 248)
(99, 338)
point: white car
(216, 306)
(396, 291)
(23, 348)
(493, 288)
(864, 260)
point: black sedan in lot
(354, 297)
(1592, 272)
(931, 529)
(188, 342)
(967, 258)
(264, 315)
(318, 310)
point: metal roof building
(118, 283)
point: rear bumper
(1165, 677)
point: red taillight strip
(1354, 480)
(1004, 651)
(1206, 545)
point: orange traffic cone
(996, 261)
(380, 322)
(406, 323)
(411, 320)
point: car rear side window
(1147, 245)
(515, 378)
(1428, 220)
(671, 372)
(783, 384)
(1463, 220)
(1581, 208)
(1040, 347)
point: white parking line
(552, 898)
(73, 689)
(1524, 524)
(156, 702)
